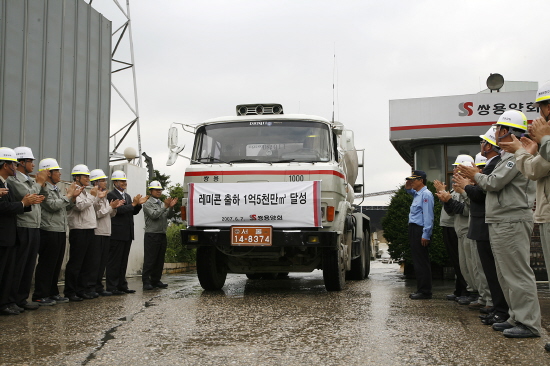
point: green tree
(175, 251)
(395, 226)
(163, 179)
(176, 192)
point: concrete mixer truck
(268, 193)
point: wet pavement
(290, 321)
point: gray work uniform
(508, 205)
(53, 227)
(155, 241)
(536, 168)
(470, 263)
(28, 233)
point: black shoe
(8, 311)
(160, 285)
(487, 310)
(59, 299)
(464, 300)
(85, 296)
(29, 306)
(127, 290)
(547, 347)
(486, 316)
(46, 301)
(147, 287)
(519, 331)
(420, 296)
(117, 292)
(105, 293)
(499, 327)
(16, 308)
(74, 298)
(93, 294)
(451, 297)
(493, 319)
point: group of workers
(487, 220)
(35, 214)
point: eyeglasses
(482, 142)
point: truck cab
(268, 193)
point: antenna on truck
(334, 81)
(333, 73)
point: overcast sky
(197, 60)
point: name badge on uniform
(510, 164)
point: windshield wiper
(211, 159)
(248, 161)
(284, 161)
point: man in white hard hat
(535, 167)
(53, 234)
(450, 239)
(156, 221)
(28, 228)
(100, 251)
(10, 207)
(508, 211)
(458, 203)
(82, 222)
(122, 234)
(479, 229)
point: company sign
(453, 116)
(281, 204)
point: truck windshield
(262, 141)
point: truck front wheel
(334, 268)
(211, 268)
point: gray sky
(196, 60)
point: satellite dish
(495, 82)
(172, 157)
(172, 138)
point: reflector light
(313, 239)
(330, 213)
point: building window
(430, 159)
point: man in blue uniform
(421, 218)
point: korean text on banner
(281, 204)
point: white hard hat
(480, 159)
(464, 159)
(80, 169)
(543, 94)
(7, 154)
(490, 136)
(97, 174)
(513, 118)
(48, 164)
(23, 152)
(155, 185)
(118, 175)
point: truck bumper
(281, 238)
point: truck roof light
(259, 109)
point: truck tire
(334, 268)
(211, 268)
(359, 265)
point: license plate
(251, 235)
